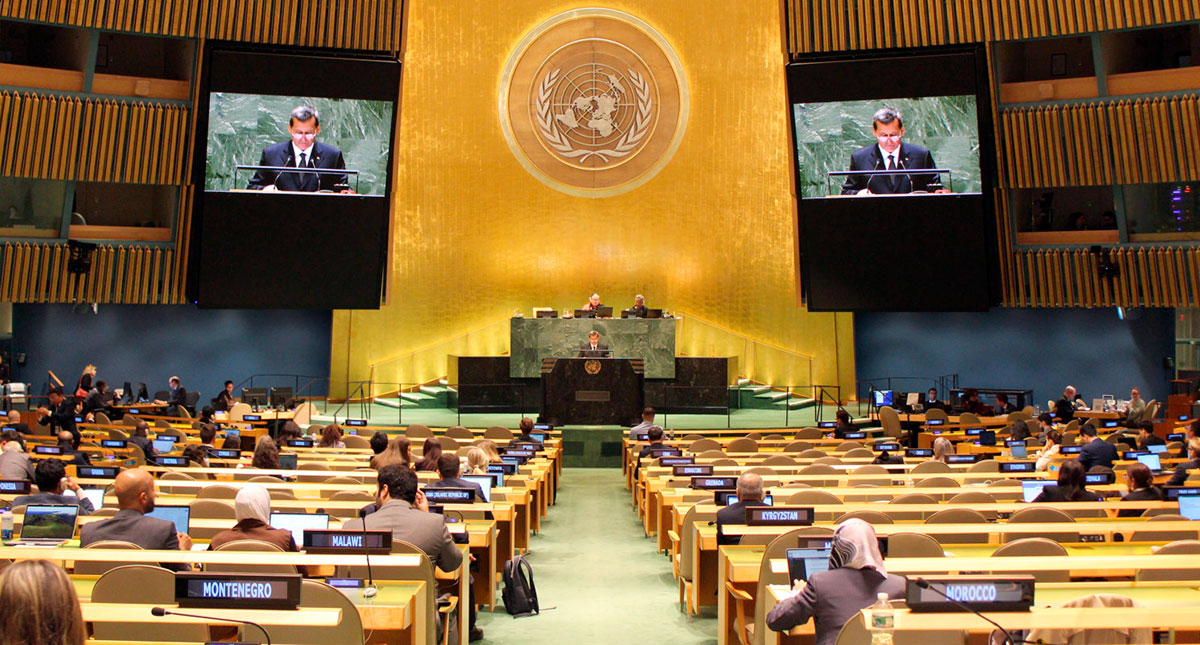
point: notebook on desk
(47, 525)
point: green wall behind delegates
(827, 133)
(241, 125)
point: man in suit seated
(50, 475)
(593, 303)
(749, 493)
(1096, 451)
(14, 463)
(141, 439)
(644, 426)
(593, 349)
(1180, 476)
(303, 151)
(69, 446)
(403, 510)
(450, 467)
(1147, 438)
(14, 422)
(931, 401)
(134, 489)
(890, 154)
(639, 306)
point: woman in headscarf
(252, 508)
(855, 577)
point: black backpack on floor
(520, 594)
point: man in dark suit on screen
(889, 153)
(303, 151)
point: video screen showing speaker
(293, 162)
(894, 166)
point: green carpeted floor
(592, 562)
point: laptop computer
(288, 461)
(47, 525)
(164, 444)
(803, 563)
(1157, 448)
(485, 483)
(298, 523)
(1189, 506)
(1153, 462)
(1019, 451)
(1031, 489)
(767, 500)
(179, 515)
(94, 495)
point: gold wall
(475, 236)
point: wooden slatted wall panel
(134, 142)
(1146, 277)
(39, 135)
(158, 17)
(343, 24)
(119, 274)
(1056, 145)
(836, 25)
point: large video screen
(294, 161)
(894, 162)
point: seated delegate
(830, 598)
(38, 604)
(51, 478)
(1140, 482)
(1181, 472)
(1096, 451)
(134, 489)
(1072, 486)
(750, 493)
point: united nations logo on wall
(593, 102)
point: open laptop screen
(803, 563)
(1189, 506)
(1151, 461)
(485, 482)
(298, 523)
(49, 522)
(180, 515)
(1031, 489)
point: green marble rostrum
(826, 134)
(532, 339)
(241, 125)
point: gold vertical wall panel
(517, 243)
(1147, 277)
(38, 273)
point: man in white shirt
(644, 426)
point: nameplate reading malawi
(237, 590)
(333, 541)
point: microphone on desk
(162, 611)
(370, 590)
(924, 584)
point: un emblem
(592, 367)
(593, 102)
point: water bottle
(6, 525)
(881, 620)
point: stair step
(796, 404)
(743, 381)
(395, 403)
(773, 396)
(415, 397)
(759, 389)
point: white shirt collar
(883, 155)
(307, 153)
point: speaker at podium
(592, 391)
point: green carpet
(593, 563)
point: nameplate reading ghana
(981, 593)
(14, 486)
(681, 471)
(677, 461)
(237, 590)
(713, 483)
(97, 472)
(779, 516)
(449, 495)
(112, 443)
(358, 423)
(334, 541)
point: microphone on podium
(163, 611)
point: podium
(592, 391)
